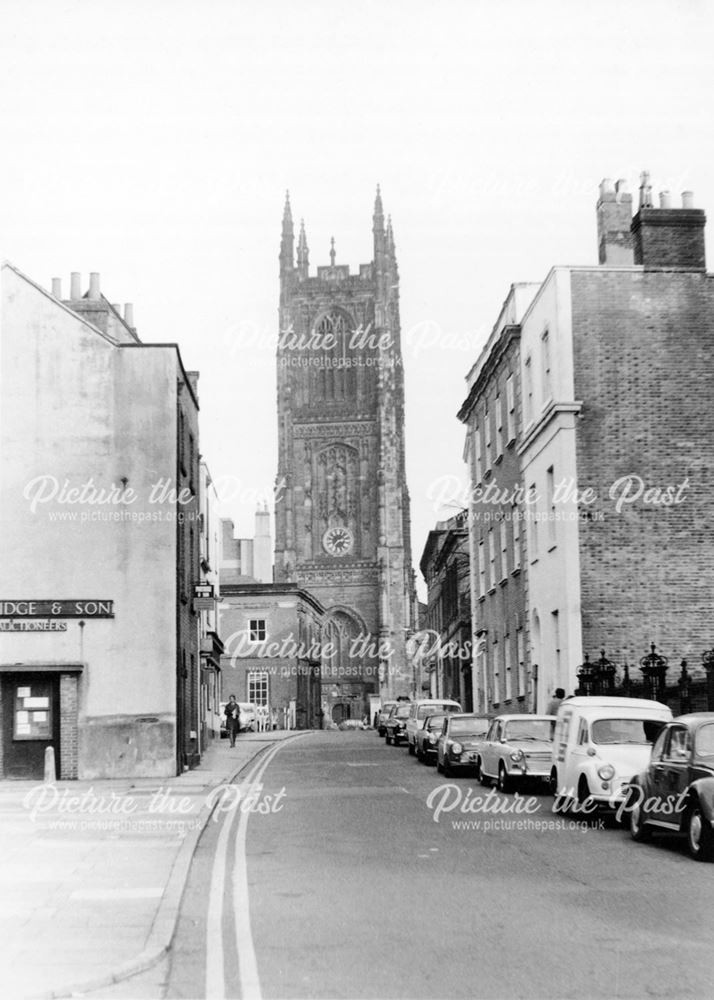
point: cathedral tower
(342, 504)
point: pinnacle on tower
(287, 242)
(390, 235)
(378, 217)
(332, 251)
(303, 253)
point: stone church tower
(342, 504)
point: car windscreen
(425, 710)
(704, 741)
(434, 722)
(401, 713)
(639, 732)
(529, 729)
(469, 727)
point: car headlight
(517, 755)
(433, 737)
(456, 748)
(606, 772)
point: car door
(441, 744)
(672, 774)
(488, 757)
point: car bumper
(539, 771)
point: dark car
(396, 725)
(427, 737)
(383, 715)
(676, 792)
(460, 742)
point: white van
(600, 744)
(421, 710)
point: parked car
(676, 791)
(460, 742)
(516, 747)
(248, 716)
(600, 743)
(352, 724)
(396, 724)
(383, 715)
(419, 710)
(427, 737)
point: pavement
(93, 873)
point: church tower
(342, 504)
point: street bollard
(50, 770)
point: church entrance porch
(345, 701)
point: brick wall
(69, 699)
(644, 367)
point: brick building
(342, 519)
(616, 446)
(273, 651)
(443, 643)
(497, 509)
(98, 631)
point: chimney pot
(606, 187)
(57, 288)
(129, 314)
(665, 199)
(94, 285)
(75, 285)
(687, 199)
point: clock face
(338, 541)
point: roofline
(176, 347)
(58, 302)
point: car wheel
(439, 766)
(412, 749)
(504, 782)
(388, 739)
(483, 778)
(584, 797)
(477, 768)
(446, 769)
(700, 839)
(639, 830)
(419, 754)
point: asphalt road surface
(351, 883)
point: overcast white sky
(153, 142)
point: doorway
(30, 723)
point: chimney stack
(57, 288)
(129, 314)
(614, 218)
(666, 236)
(94, 292)
(75, 286)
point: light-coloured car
(248, 716)
(427, 737)
(600, 744)
(460, 742)
(516, 747)
(419, 710)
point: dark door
(340, 712)
(31, 723)
(672, 774)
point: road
(356, 887)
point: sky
(153, 142)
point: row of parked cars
(624, 755)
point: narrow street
(355, 891)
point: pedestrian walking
(555, 702)
(232, 719)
